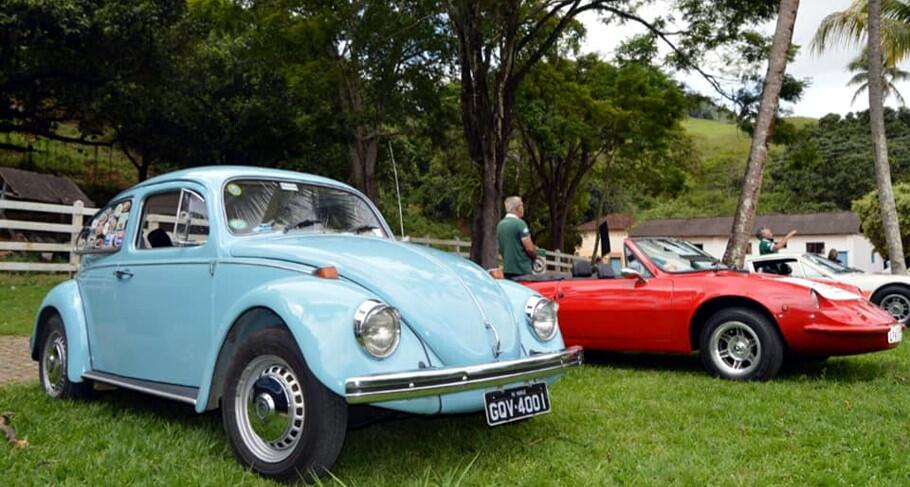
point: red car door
(616, 314)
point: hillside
(713, 186)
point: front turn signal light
(327, 272)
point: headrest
(581, 268)
(604, 271)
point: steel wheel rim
(898, 306)
(735, 348)
(269, 408)
(53, 359)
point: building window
(815, 247)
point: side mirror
(629, 273)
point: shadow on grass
(857, 368)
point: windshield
(830, 265)
(258, 206)
(673, 255)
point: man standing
(515, 244)
(767, 245)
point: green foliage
(830, 164)
(575, 115)
(869, 212)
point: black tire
(52, 363)
(269, 376)
(741, 344)
(895, 300)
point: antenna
(397, 190)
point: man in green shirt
(767, 245)
(515, 244)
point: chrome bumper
(433, 382)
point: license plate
(896, 333)
(517, 403)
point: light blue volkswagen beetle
(282, 298)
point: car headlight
(377, 328)
(542, 317)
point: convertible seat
(582, 268)
(604, 271)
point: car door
(617, 313)
(165, 289)
(99, 246)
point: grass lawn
(20, 296)
(640, 420)
(621, 419)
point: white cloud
(827, 72)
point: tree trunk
(880, 144)
(363, 150)
(758, 154)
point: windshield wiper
(301, 224)
(365, 228)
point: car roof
(215, 176)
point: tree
(880, 144)
(849, 27)
(890, 74)
(572, 115)
(758, 154)
(867, 208)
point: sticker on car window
(237, 223)
(288, 186)
(234, 189)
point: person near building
(767, 245)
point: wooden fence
(76, 213)
(552, 261)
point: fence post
(74, 233)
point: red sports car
(672, 297)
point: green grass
(620, 420)
(20, 296)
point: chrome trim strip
(107, 379)
(448, 380)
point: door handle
(123, 274)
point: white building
(618, 225)
(817, 233)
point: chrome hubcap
(52, 362)
(735, 348)
(898, 305)
(269, 408)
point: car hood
(870, 282)
(445, 299)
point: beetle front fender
(65, 300)
(320, 315)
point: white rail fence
(74, 213)
(73, 217)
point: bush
(869, 212)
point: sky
(827, 72)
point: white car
(890, 292)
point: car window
(781, 267)
(105, 231)
(176, 218)
(674, 255)
(633, 262)
(258, 206)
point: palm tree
(849, 27)
(890, 74)
(885, 26)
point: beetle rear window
(259, 206)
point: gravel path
(15, 363)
